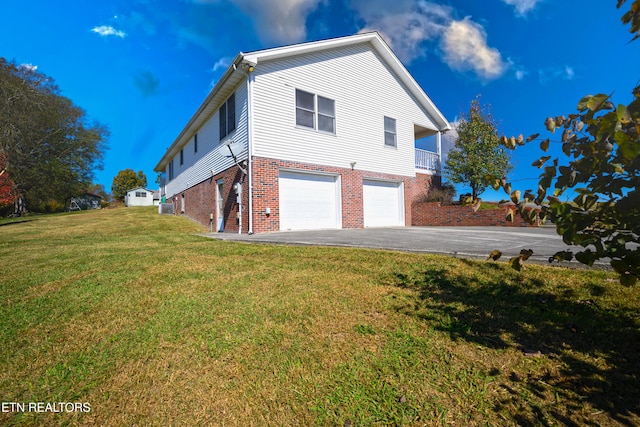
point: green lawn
(135, 315)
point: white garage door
(308, 201)
(383, 203)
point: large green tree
(50, 147)
(599, 168)
(126, 180)
(477, 154)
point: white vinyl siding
(363, 89)
(197, 166)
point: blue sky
(142, 67)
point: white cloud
(522, 6)
(412, 28)
(277, 21)
(465, 48)
(107, 30)
(404, 24)
(221, 63)
(563, 72)
(29, 67)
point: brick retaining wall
(433, 213)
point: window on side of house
(195, 143)
(141, 194)
(326, 114)
(315, 112)
(170, 170)
(305, 109)
(390, 132)
(181, 157)
(227, 116)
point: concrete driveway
(470, 242)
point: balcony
(427, 162)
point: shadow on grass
(15, 221)
(597, 348)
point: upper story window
(170, 171)
(315, 112)
(195, 143)
(227, 115)
(390, 132)
(181, 157)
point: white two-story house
(316, 135)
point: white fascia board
(208, 106)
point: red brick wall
(200, 200)
(265, 191)
(432, 213)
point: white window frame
(229, 117)
(388, 131)
(316, 112)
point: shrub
(444, 194)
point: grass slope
(149, 324)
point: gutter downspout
(249, 73)
(250, 80)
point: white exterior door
(220, 205)
(308, 201)
(383, 203)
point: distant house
(141, 196)
(84, 202)
(316, 135)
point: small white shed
(139, 196)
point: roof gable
(378, 44)
(245, 62)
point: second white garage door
(308, 201)
(383, 203)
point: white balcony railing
(427, 160)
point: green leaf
(621, 112)
(586, 257)
(532, 137)
(619, 266)
(582, 105)
(510, 215)
(515, 196)
(561, 256)
(541, 161)
(495, 255)
(597, 102)
(544, 145)
(628, 280)
(550, 124)
(525, 254)
(516, 263)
